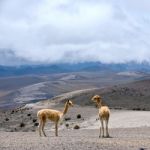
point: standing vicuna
(104, 114)
(53, 115)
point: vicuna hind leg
(43, 125)
(40, 127)
(107, 133)
(101, 128)
(102, 122)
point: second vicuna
(53, 115)
(104, 114)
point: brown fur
(53, 115)
(104, 114)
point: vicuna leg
(102, 126)
(43, 125)
(107, 133)
(56, 129)
(40, 126)
(100, 131)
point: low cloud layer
(56, 31)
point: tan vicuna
(104, 114)
(53, 115)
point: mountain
(78, 67)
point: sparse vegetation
(28, 114)
(67, 125)
(34, 120)
(12, 112)
(67, 118)
(6, 119)
(78, 116)
(139, 109)
(22, 124)
(36, 124)
(76, 127)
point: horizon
(77, 63)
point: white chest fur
(61, 119)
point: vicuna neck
(65, 109)
(99, 104)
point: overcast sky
(57, 31)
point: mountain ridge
(78, 67)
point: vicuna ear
(68, 101)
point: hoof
(44, 134)
(108, 136)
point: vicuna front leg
(56, 129)
(100, 130)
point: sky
(73, 31)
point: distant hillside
(18, 90)
(134, 96)
(65, 68)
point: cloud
(56, 31)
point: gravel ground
(130, 130)
(87, 139)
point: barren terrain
(15, 91)
(129, 130)
(126, 94)
(122, 139)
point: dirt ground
(87, 139)
(129, 130)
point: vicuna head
(70, 103)
(96, 99)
